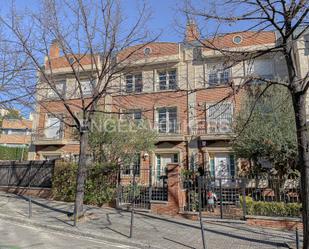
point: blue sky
(162, 19)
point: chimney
(192, 33)
(54, 50)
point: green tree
(265, 128)
(117, 142)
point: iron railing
(141, 189)
(240, 196)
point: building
(187, 93)
(16, 132)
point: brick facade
(193, 144)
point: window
(15, 131)
(133, 167)
(219, 118)
(59, 89)
(167, 119)
(167, 80)
(134, 83)
(133, 114)
(53, 128)
(86, 87)
(237, 39)
(217, 75)
(262, 68)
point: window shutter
(212, 167)
(232, 165)
(158, 167)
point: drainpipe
(188, 116)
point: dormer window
(147, 51)
(237, 39)
(134, 83)
(167, 80)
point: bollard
(30, 207)
(297, 238)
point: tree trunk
(81, 176)
(299, 103)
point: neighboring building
(175, 87)
(3, 112)
(15, 132)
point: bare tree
(289, 20)
(90, 35)
(13, 69)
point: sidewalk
(150, 231)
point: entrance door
(222, 166)
(162, 160)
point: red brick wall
(172, 206)
(148, 102)
(215, 95)
(277, 224)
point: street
(17, 236)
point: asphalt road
(16, 236)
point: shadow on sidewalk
(46, 206)
(215, 231)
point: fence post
(244, 201)
(221, 201)
(200, 209)
(29, 196)
(150, 183)
(133, 204)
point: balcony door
(167, 119)
(52, 128)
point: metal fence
(237, 197)
(142, 188)
(26, 173)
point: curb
(89, 235)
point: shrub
(271, 208)
(100, 184)
(13, 153)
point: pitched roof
(62, 62)
(248, 38)
(155, 49)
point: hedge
(13, 153)
(100, 186)
(264, 208)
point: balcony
(41, 138)
(169, 131)
(214, 130)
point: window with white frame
(56, 90)
(219, 117)
(167, 80)
(167, 120)
(52, 127)
(217, 74)
(134, 83)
